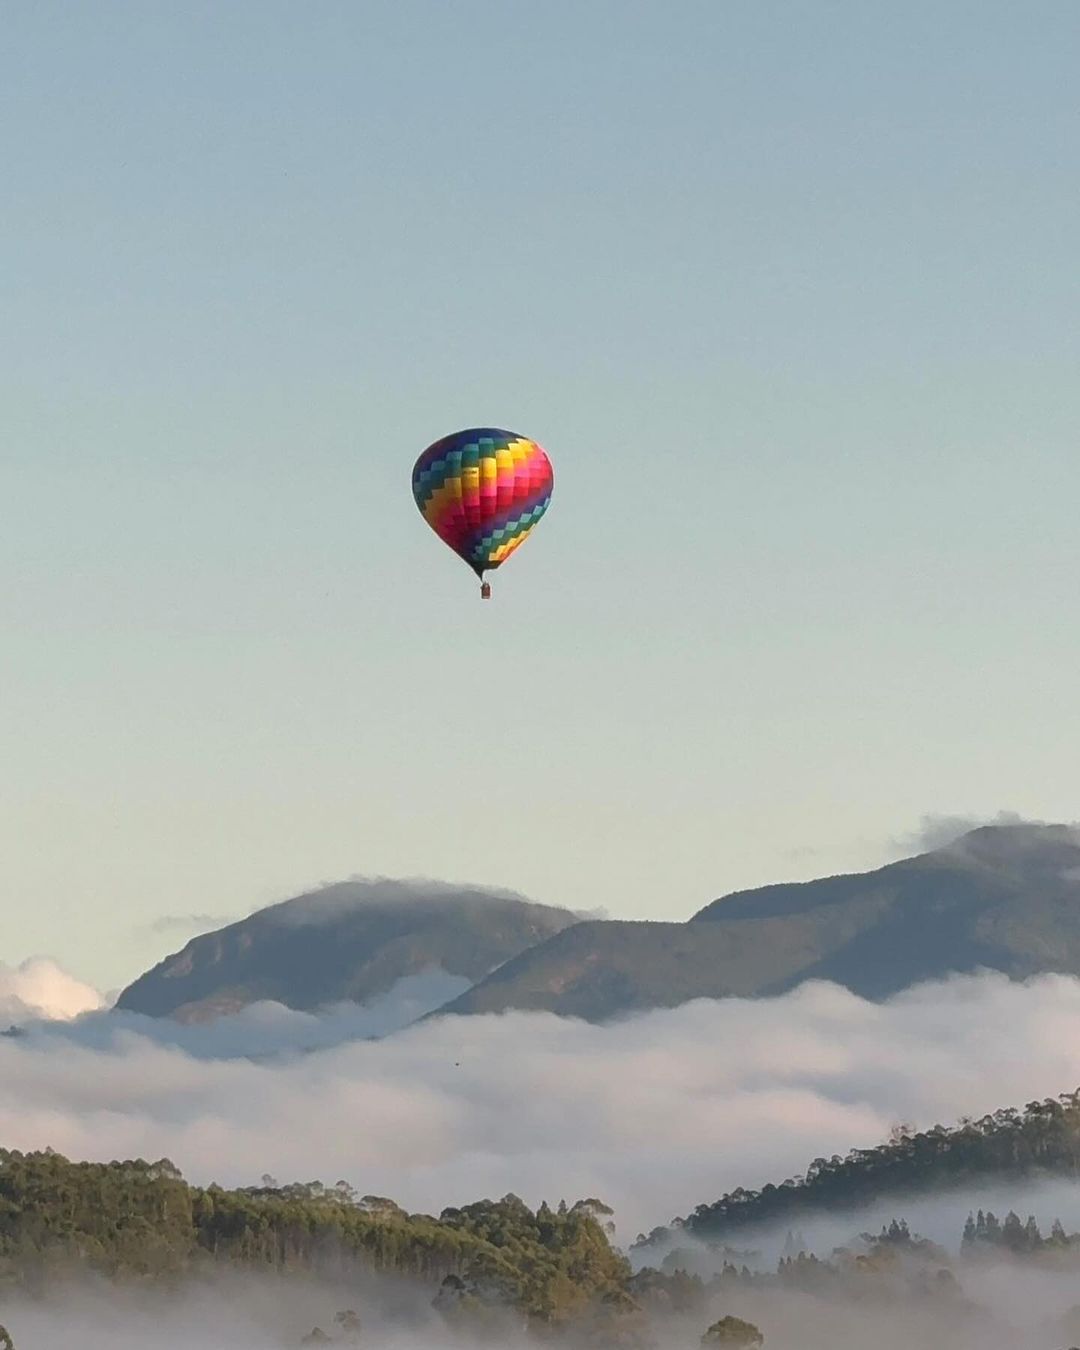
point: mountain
(351, 941)
(596, 969)
(1006, 897)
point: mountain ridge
(352, 941)
(1001, 897)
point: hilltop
(351, 941)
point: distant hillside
(1006, 897)
(600, 968)
(350, 941)
(1041, 1140)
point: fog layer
(654, 1114)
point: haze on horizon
(787, 292)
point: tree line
(139, 1219)
(1043, 1137)
(497, 1266)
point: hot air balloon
(482, 491)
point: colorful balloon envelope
(482, 492)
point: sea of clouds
(653, 1114)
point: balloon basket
(485, 590)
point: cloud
(331, 901)
(40, 989)
(939, 831)
(188, 923)
(654, 1114)
(942, 831)
(265, 1030)
(234, 1310)
(1001, 1306)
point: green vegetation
(733, 1332)
(1043, 1138)
(984, 1233)
(141, 1220)
(495, 1268)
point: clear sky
(789, 291)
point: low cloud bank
(332, 900)
(39, 988)
(265, 1030)
(230, 1312)
(653, 1114)
(996, 1305)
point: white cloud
(186, 923)
(937, 831)
(653, 1114)
(40, 989)
(234, 1311)
(1010, 1307)
(331, 901)
(266, 1029)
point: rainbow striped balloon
(482, 491)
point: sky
(788, 291)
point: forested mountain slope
(1042, 1139)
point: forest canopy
(1041, 1139)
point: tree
(1012, 1232)
(668, 1291)
(734, 1333)
(6, 1343)
(596, 1209)
(379, 1204)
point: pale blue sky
(789, 291)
